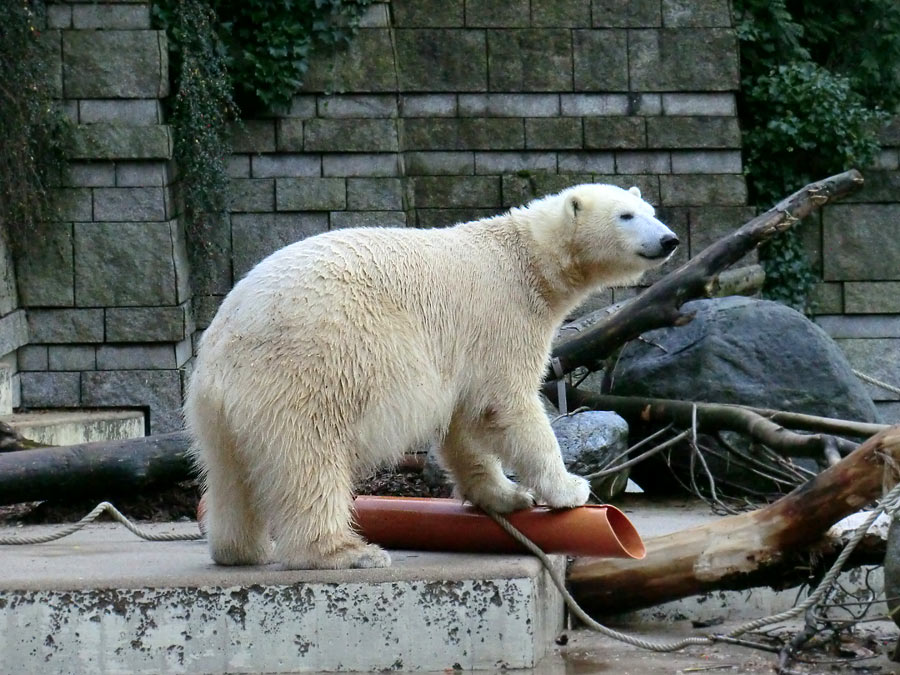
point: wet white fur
(339, 352)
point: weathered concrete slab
(102, 601)
(70, 427)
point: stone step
(69, 427)
(103, 601)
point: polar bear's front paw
(498, 498)
(570, 492)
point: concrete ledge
(70, 427)
(103, 601)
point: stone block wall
(443, 111)
(107, 290)
(856, 247)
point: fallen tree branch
(742, 551)
(659, 305)
(94, 469)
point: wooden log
(739, 551)
(660, 304)
(94, 469)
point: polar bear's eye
(627, 216)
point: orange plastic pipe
(423, 524)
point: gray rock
(741, 350)
(589, 440)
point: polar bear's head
(611, 235)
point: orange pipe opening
(424, 524)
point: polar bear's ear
(635, 190)
(573, 206)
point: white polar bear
(339, 352)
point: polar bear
(338, 352)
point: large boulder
(742, 350)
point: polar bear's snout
(656, 241)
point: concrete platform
(71, 427)
(103, 601)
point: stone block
(367, 106)
(868, 326)
(9, 300)
(456, 191)
(91, 174)
(447, 217)
(702, 190)
(683, 59)
(146, 324)
(560, 13)
(134, 112)
(441, 60)
(648, 184)
(32, 357)
(427, 13)
(615, 133)
(136, 357)
(888, 159)
(827, 298)
(59, 16)
(719, 104)
(693, 132)
(473, 133)
(276, 166)
(428, 105)
(254, 136)
(255, 236)
(111, 16)
(344, 219)
(518, 189)
(13, 332)
(65, 326)
(860, 242)
(377, 194)
(710, 161)
(130, 204)
(497, 13)
(439, 163)
(310, 194)
(710, 223)
(375, 16)
(360, 164)
(72, 357)
(586, 162)
(142, 174)
(238, 166)
(553, 133)
(45, 268)
(508, 162)
(366, 64)
(593, 105)
(626, 13)
(875, 357)
(72, 204)
(303, 106)
(359, 135)
(158, 390)
(646, 104)
(696, 13)
(872, 297)
(890, 133)
(537, 59)
(600, 60)
(50, 43)
(643, 162)
(126, 264)
(508, 105)
(205, 308)
(880, 186)
(50, 390)
(114, 141)
(115, 64)
(183, 354)
(253, 194)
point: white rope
(100, 508)
(878, 383)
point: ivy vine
(819, 77)
(35, 132)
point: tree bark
(94, 469)
(659, 305)
(742, 551)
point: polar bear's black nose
(669, 243)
